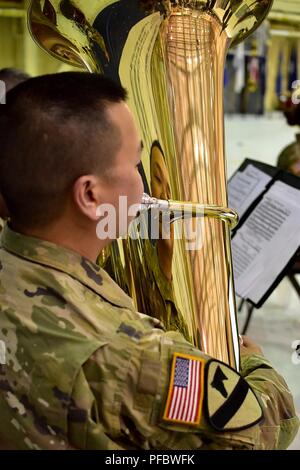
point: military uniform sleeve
(130, 381)
(280, 424)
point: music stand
(291, 273)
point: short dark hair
(12, 77)
(50, 130)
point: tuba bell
(170, 56)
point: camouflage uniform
(85, 370)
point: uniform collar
(57, 257)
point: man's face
(160, 180)
(295, 168)
(124, 177)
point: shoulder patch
(186, 388)
(230, 403)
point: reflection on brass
(170, 55)
(160, 188)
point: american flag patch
(185, 396)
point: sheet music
(266, 242)
(245, 186)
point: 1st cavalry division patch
(185, 397)
(230, 402)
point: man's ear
(87, 195)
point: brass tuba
(170, 56)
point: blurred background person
(289, 158)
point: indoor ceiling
(287, 6)
(286, 12)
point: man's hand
(248, 347)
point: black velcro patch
(130, 331)
(92, 271)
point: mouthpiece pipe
(191, 209)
